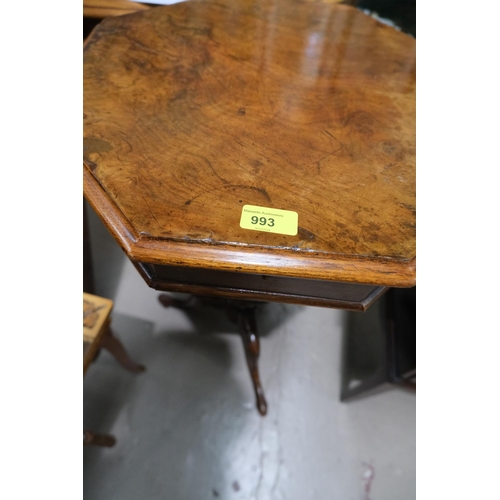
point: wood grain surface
(194, 110)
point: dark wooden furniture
(97, 334)
(196, 110)
(395, 318)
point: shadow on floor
(108, 258)
(181, 414)
(207, 319)
(363, 347)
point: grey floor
(187, 428)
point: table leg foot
(89, 438)
(248, 332)
(116, 349)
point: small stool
(97, 334)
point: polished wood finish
(105, 8)
(193, 110)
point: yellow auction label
(270, 220)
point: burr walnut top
(194, 110)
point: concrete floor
(187, 428)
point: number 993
(263, 221)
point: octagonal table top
(195, 110)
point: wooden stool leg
(115, 347)
(248, 332)
(89, 438)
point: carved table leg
(248, 332)
(89, 438)
(243, 314)
(116, 349)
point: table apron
(257, 287)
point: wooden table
(194, 111)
